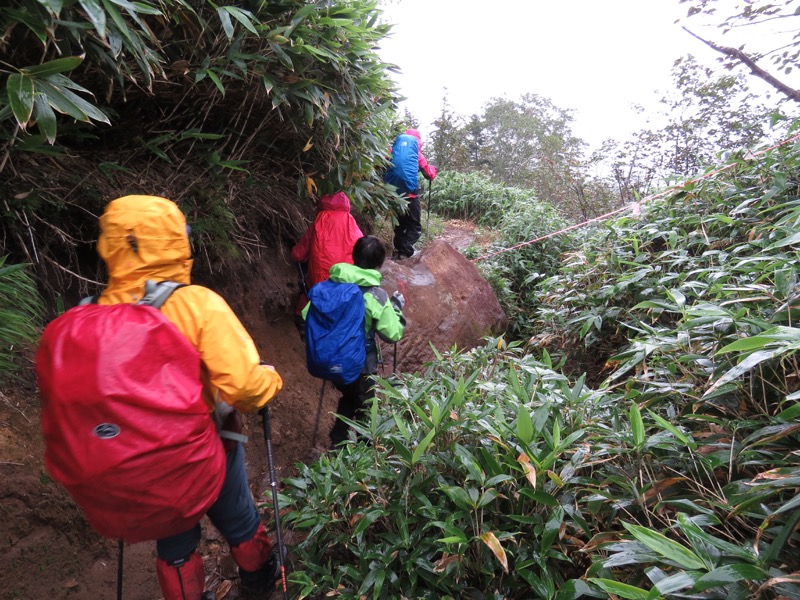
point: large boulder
(448, 303)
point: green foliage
(778, 45)
(310, 64)
(495, 475)
(475, 197)
(525, 144)
(705, 116)
(20, 315)
(713, 262)
(517, 216)
(243, 114)
(708, 114)
(458, 494)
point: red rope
(635, 206)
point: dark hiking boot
(258, 585)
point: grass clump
(21, 310)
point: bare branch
(754, 68)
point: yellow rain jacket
(145, 237)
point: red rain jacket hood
(329, 240)
(416, 134)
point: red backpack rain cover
(126, 430)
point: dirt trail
(459, 234)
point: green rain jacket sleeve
(388, 323)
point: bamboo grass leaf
(791, 413)
(695, 532)
(19, 88)
(768, 434)
(528, 469)
(53, 6)
(677, 297)
(749, 363)
(777, 547)
(67, 102)
(60, 65)
(243, 16)
(37, 26)
(494, 545)
(552, 527)
(524, 425)
(637, 426)
(45, 118)
(137, 7)
(283, 57)
(623, 590)
(366, 520)
(299, 17)
(217, 82)
(728, 574)
(679, 435)
(225, 20)
(459, 496)
(792, 240)
(674, 583)
(423, 445)
(119, 22)
(96, 14)
(665, 547)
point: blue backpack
(402, 174)
(335, 336)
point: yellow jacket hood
(141, 238)
(144, 237)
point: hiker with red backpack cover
(407, 161)
(379, 314)
(129, 394)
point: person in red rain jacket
(328, 241)
(330, 238)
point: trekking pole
(428, 224)
(274, 485)
(120, 547)
(319, 412)
(302, 277)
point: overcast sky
(597, 57)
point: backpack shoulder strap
(155, 294)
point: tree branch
(750, 63)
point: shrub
(21, 310)
(494, 475)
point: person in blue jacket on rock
(407, 161)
